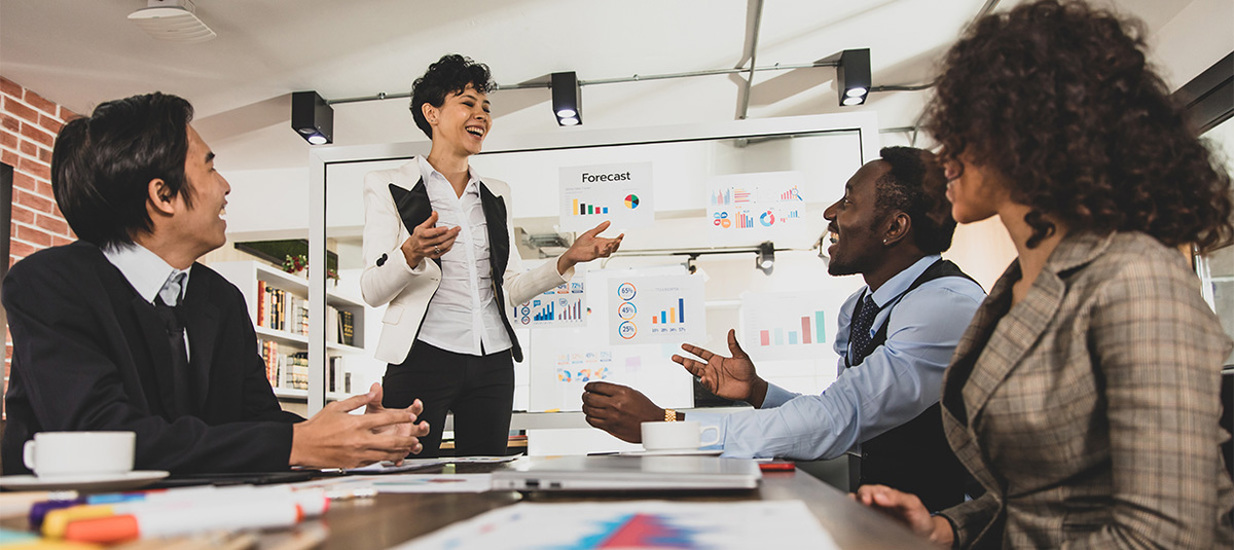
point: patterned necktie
(180, 394)
(859, 334)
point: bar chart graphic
(584, 209)
(559, 307)
(812, 330)
(649, 310)
(788, 325)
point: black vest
(914, 457)
(414, 207)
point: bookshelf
(278, 305)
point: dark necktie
(859, 334)
(170, 316)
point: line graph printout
(755, 204)
(656, 310)
(620, 193)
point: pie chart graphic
(631, 201)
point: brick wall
(28, 126)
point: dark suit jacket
(89, 354)
(1089, 410)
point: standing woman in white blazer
(439, 253)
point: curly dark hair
(449, 75)
(1057, 97)
(915, 185)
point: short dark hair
(102, 165)
(1058, 99)
(917, 186)
(449, 75)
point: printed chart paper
(620, 193)
(567, 359)
(656, 310)
(563, 306)
(788, 325)
(755, 205)
(635, 524)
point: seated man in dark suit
(895, 337)
(122, 330)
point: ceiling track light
(853, 77)
(312, 118)
(567, 98)
(766, 260)
(172, 20)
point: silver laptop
(627, 473)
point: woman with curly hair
(445, 332)
(1084, 396)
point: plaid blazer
(1090, 410)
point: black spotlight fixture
(853, 77)
(766, 257)
(312, 118)
(567, 99)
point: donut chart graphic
(626, 291)
(627, 330)
(627, 311)
(767, 219)
(631, 201)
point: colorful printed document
(635, 524)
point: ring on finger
(437, 250)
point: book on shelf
(261, 303)
(346, 327)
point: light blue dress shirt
(894, 384)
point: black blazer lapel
(201, 321)
(155, 335)
(499, 256)
(498, 235)
(413, 206)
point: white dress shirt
(146, 271)
(894, 384)
(463, 317)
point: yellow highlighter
(57, 521)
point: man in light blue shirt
(889, 227)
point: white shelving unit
(247, 274)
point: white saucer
(84, 482)
(675, 452)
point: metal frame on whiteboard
(865, 123)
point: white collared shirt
(146, 271)
(463, 316)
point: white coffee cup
(676, 436)
(61, 454)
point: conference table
(391, 519)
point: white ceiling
(82, 52)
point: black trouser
(478, 390)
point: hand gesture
(908, 509)
(374, 406)
(728, 377)
(588, 247)
(619, 410)
(332, 438)
(428, 241)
